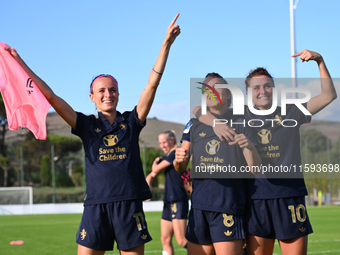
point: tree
(4, 163)
(36, 151)
(64, 145)
(315, 139)
(45, 172)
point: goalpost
(17, 196)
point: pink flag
(25, 105)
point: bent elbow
(331, 98)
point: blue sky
(67, 43)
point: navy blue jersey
(113, 166)
(222, 194)
(279, 145)
(186, 132)
(174, 188)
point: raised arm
(61, 107)
(328, 93)
(148, 94)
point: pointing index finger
(174, 20)
(297, 54)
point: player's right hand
(181, 155)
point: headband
(99, 76)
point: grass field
(55, 234)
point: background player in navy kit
(116, 184)
(216, 217)
(175, 209)
(277, 206)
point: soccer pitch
(55, 234)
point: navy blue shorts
(175, 210)
(207, 227)
(281, 218)
(123, 221)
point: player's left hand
(12, 51)
(307, 55)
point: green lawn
(326, 226)
(55, 234)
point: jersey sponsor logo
(82, 234)
(264, 136)
(110, 140)
(212, 147)
(115, 153)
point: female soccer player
(216, 224)
(175, 209)
(116, 184)
(277, 205)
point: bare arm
(328, 93)
(157, 167)
(148, 94)
(182, 157)
(61, 107)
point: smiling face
(105, 94)
(262, 91)
(166, 143)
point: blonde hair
(171, 134)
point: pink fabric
(25, 104)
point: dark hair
(257, 72)
(101, 75)
(217, 75)
(213, 74)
